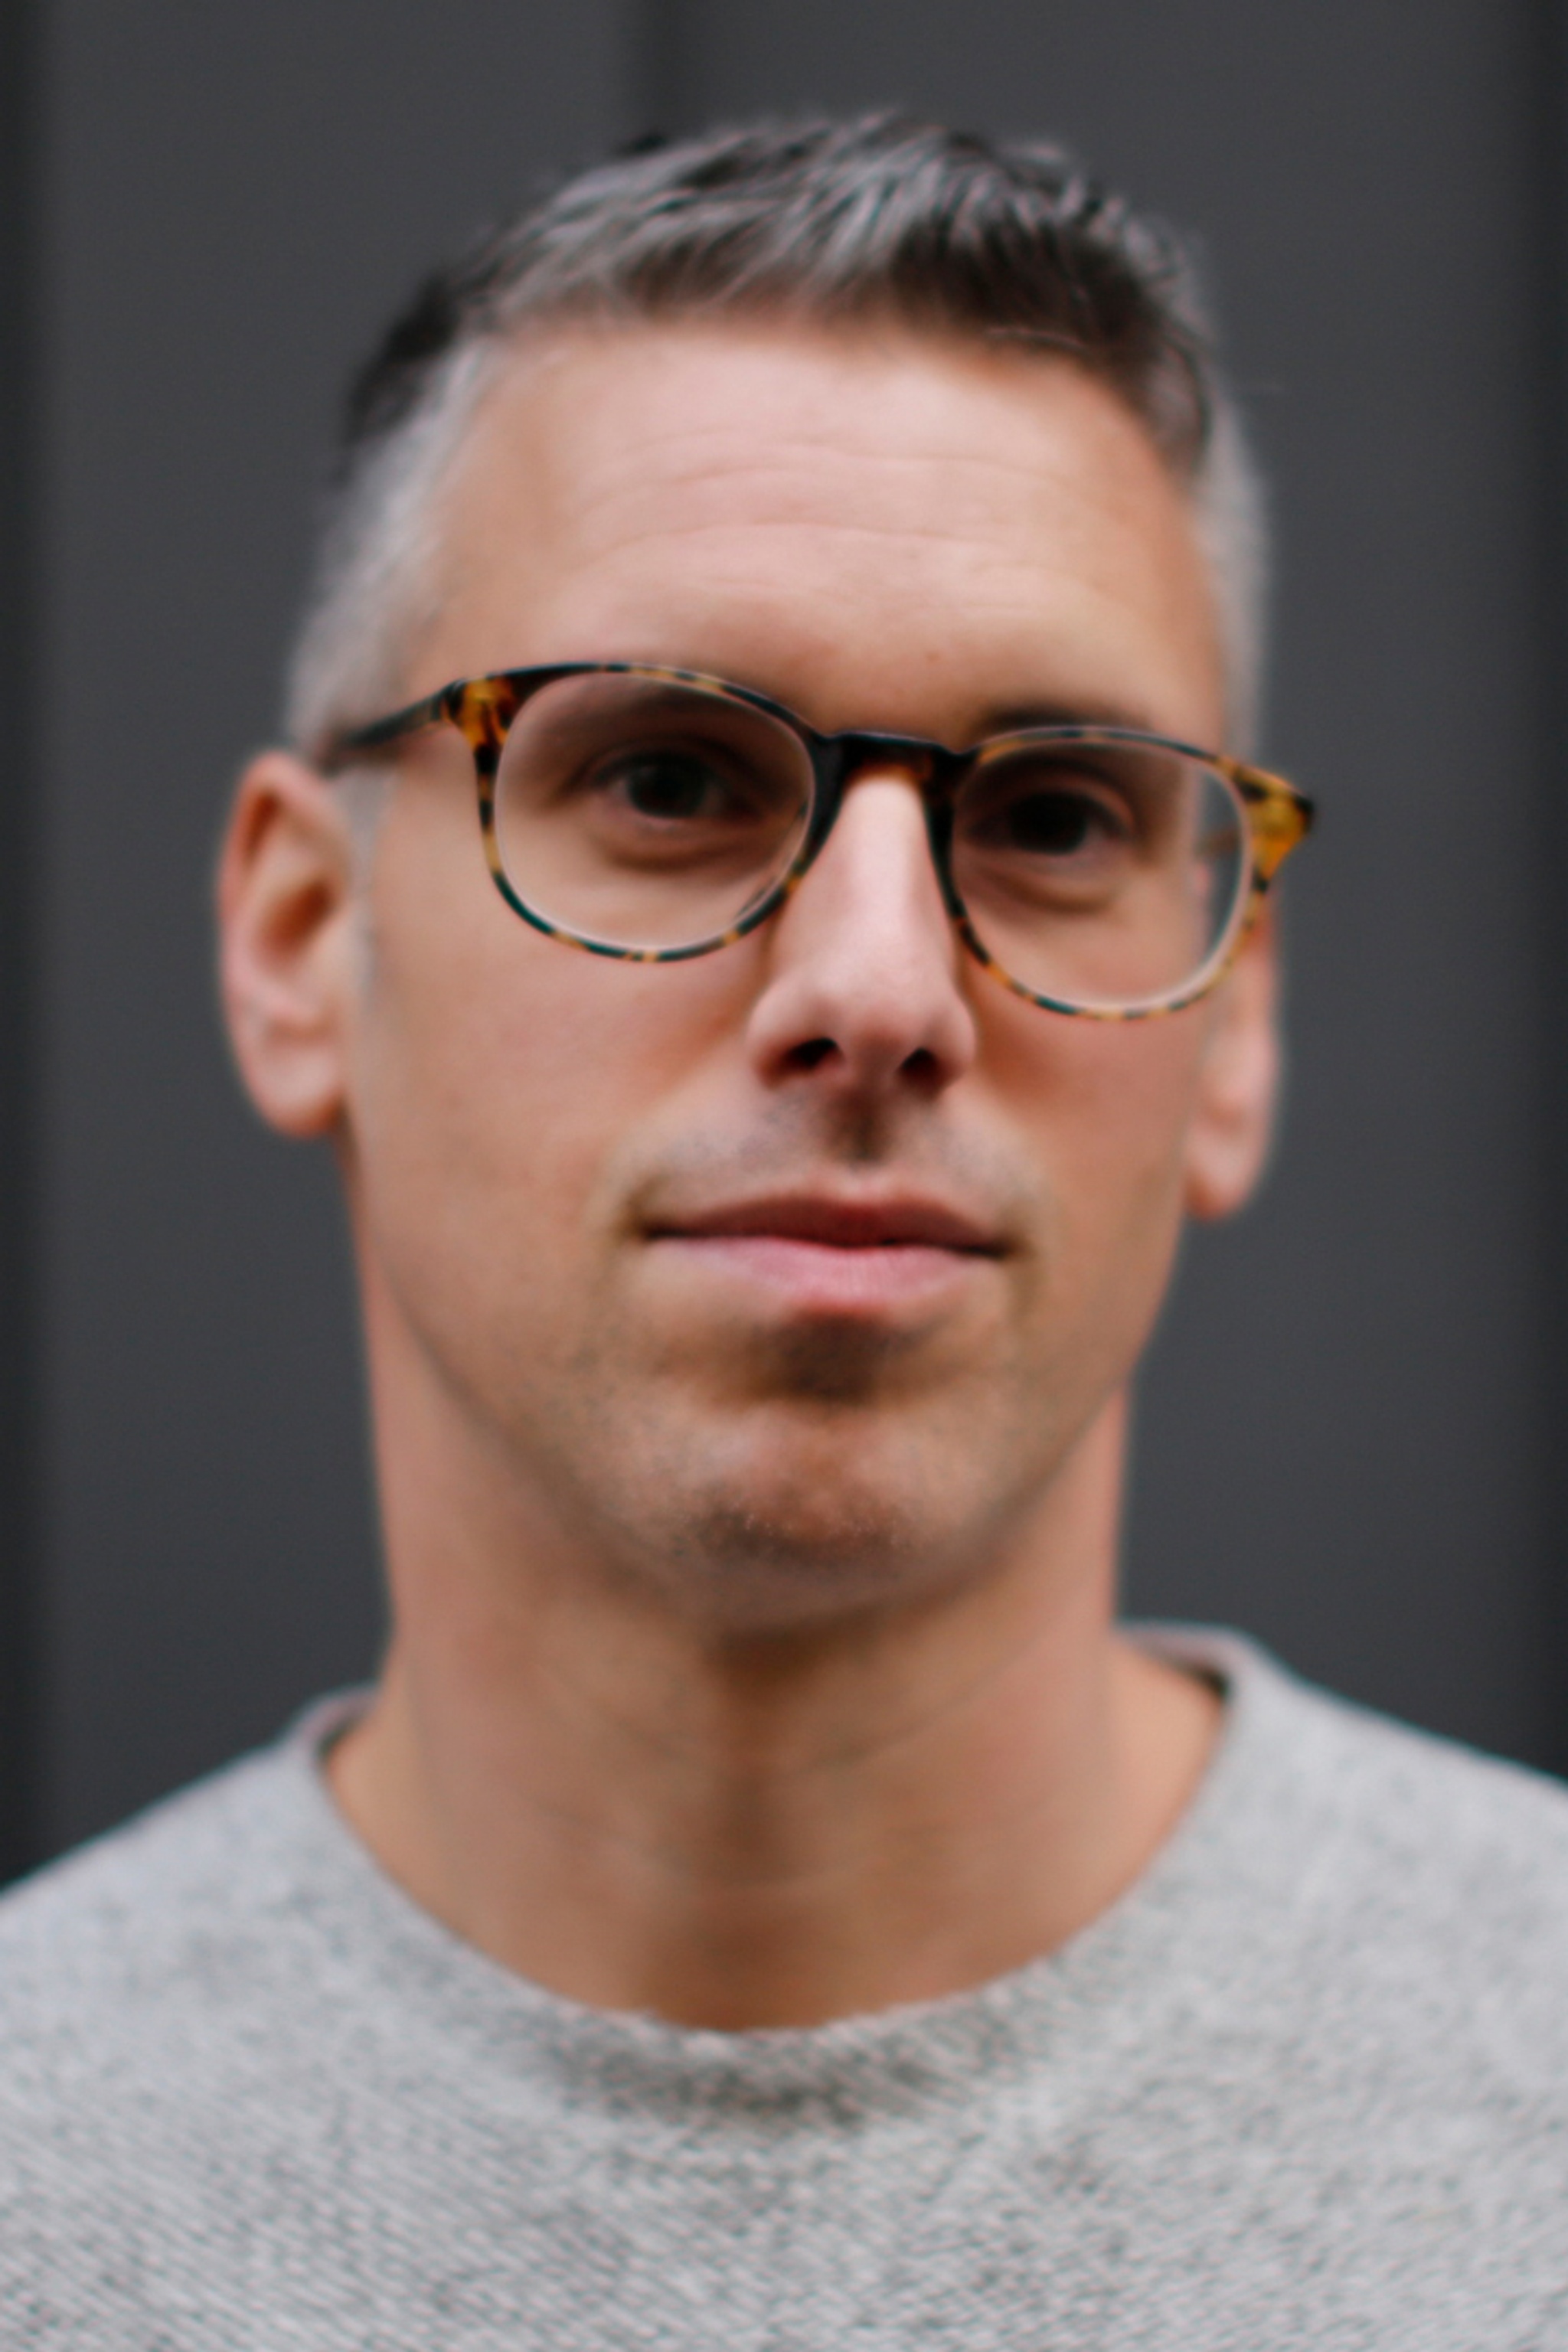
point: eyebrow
(1014, 717)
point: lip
(834, 1256)
(898, 1221)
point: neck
(737, 1833)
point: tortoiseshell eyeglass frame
(482, 709)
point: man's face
(790, 1276)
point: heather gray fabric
(1306, 2086)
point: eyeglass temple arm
(383, 732)
(1280, 819)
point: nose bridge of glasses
(921, 763)
(924, 767)
(845, 760)
(928, 768)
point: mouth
(824, 1254)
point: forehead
(858, 522)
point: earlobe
(1232, 1125)
(286, 915)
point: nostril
(922, 1068)
(811, 1054)
(925, 1073)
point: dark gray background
(1349, 1432)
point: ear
(1232, 1124)
(287, 947)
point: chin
(782, 1537)
(800, 1484)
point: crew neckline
(1105, 1984)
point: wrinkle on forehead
(623, 488)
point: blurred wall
(1347, 1433)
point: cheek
(1104, 1109)
(497, 1076)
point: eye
(1045, 810)
(670, 786)
(1057, 822)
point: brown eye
(670, 785)
(1051, 823)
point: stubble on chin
(820, 1483)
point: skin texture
(752, 1659)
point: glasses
(657, 814)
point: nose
(863, 985)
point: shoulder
(175, 1911)
(1403, 1877)
(163, 1992)
(1360, 1775)
(1416, 1814)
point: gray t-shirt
(1306, 2085)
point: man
(764, 1900)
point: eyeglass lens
(641, 814)
(646, 815)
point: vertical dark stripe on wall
(664, 96)
(1551, 78)
(19, 1808)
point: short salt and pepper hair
(877, 220)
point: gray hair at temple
(877, 219)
